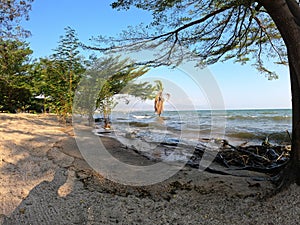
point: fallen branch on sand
(269, 159)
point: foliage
(11, 13)
(15, 78)
(212, 31)
(106, 79)
(160, 97)
(59, 75)
(90, 84)
(159, 86)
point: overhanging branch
(165, 35)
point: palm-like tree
(159, 98)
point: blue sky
(242, 87)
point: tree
(106, 79)
(15, 78)
(121, 83)
(59, 75)
(70, 65)
(159, 98)
(214, 30)
(11, 13)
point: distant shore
(45, 180)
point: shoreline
(44, 179)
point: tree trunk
(285, 14)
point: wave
(240, 125)
(271, 118)
(142, 117)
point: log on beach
(267, 159)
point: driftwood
(265, 158)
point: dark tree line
(51, 82)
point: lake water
(190, 127)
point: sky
(241, 86)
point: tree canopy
(108, 81)
(11, 13)
(15, 76)
(58, 76)
(212, 30)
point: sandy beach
(45, 180)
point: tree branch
(167, 35)
(269, 38)
(195, 22)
